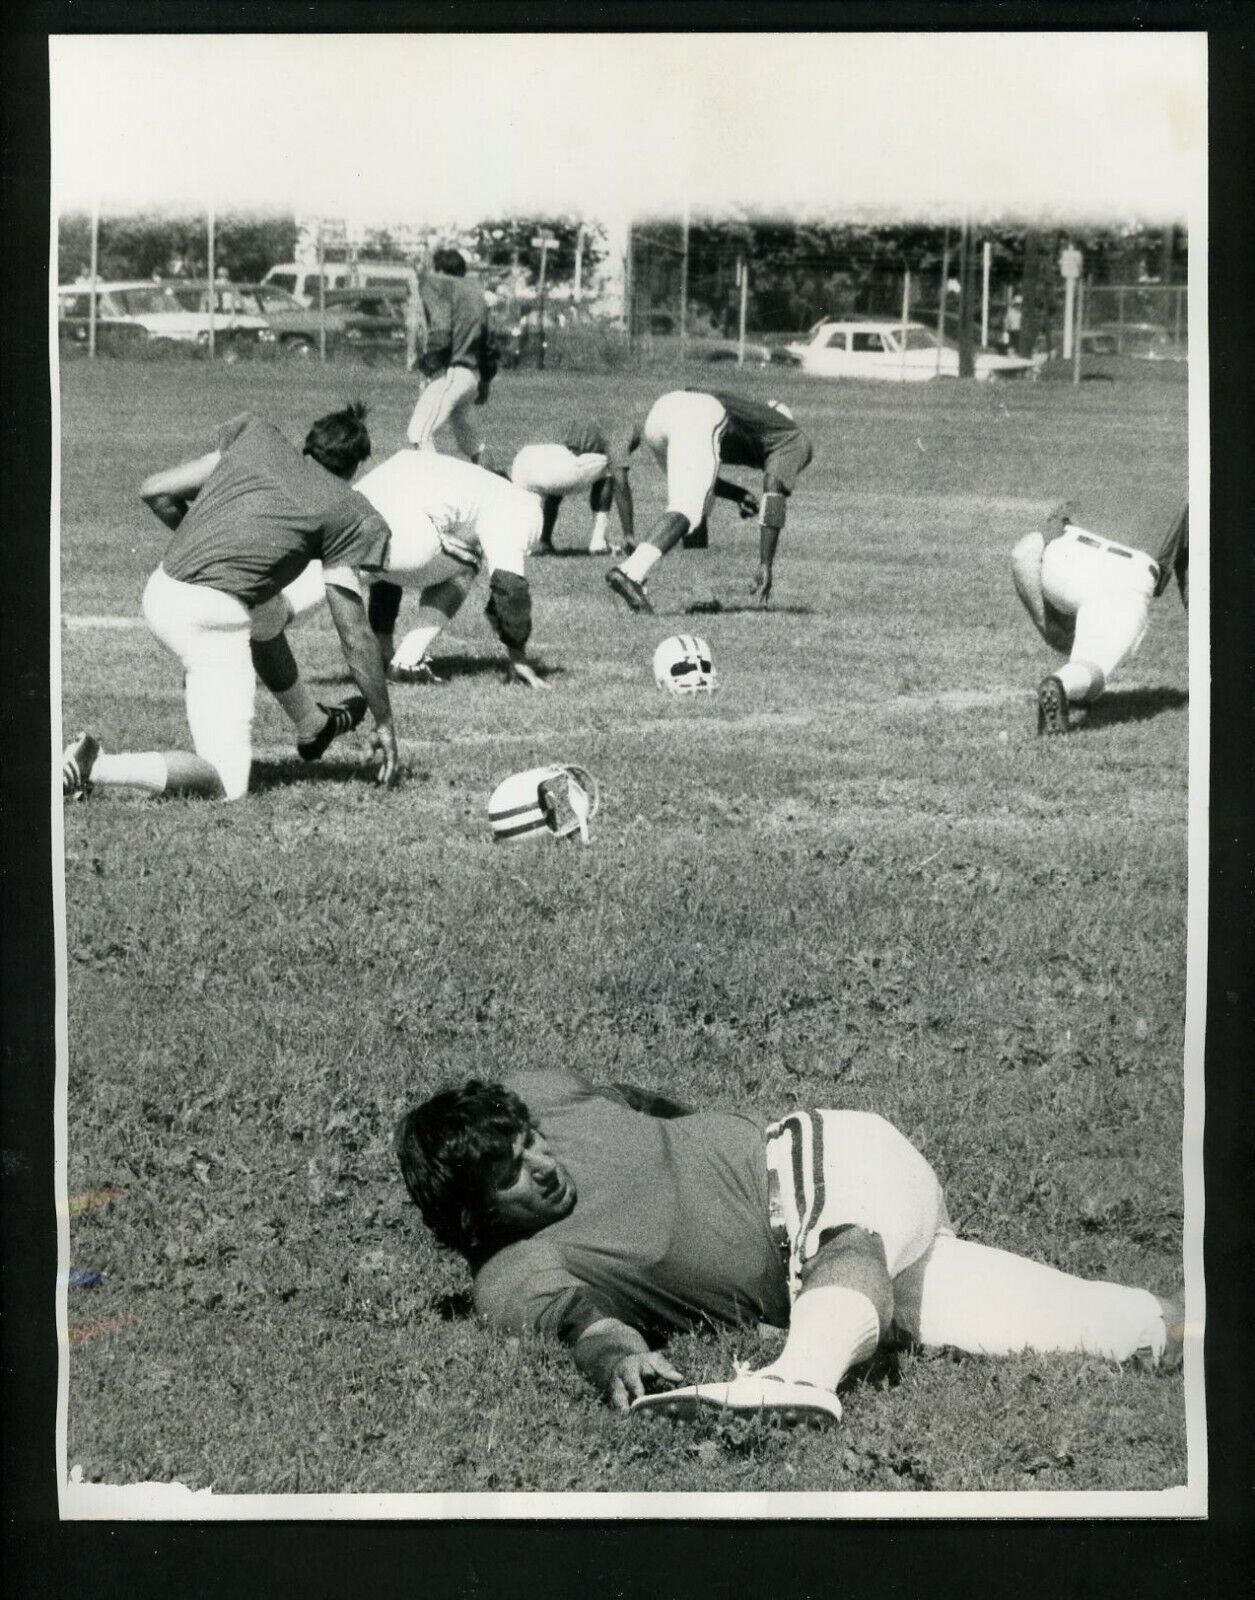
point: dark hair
(455, 1151)
(447, 259)
(339, 441)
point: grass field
(854, 877)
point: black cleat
(697, 538)
(628, 590)
(421, 672)
(341, 718)
(544, 548)
(1052, 706)
(77, 762)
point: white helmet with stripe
(544, 802)
(683, 665)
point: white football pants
(827, 1169)
(208, 631)
(552, 469)
(447, 401)
(1107, 588)
(683, 430)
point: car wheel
(299, 349)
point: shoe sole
(1052, 718)
(692, 1408)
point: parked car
(301, 281)
(170, 311)
(238, 329)
(1145, 340)
(117, 332)
(296, 329)
(374, 321)
(896, 352)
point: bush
(587, 347)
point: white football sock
(992, 1302)
(132, 770)
(601, 521)
(1077, 679)
(641, 562)
(830, 1329)
(419, 640)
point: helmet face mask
(683, 665)
(543, 802)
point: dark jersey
(670, 1227)
(760, 436)
(265, 512)
(457, 323)
(615, 443)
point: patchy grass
(853, 877)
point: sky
(432, 128)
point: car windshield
(283, 280)
(920, 339)
(146, 301)
(277, 300)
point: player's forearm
(602, 1346)
(361, 652)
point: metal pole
(1080, 325)
(941, 298)
(210, 296)
(743, 277)
(1120, 321)
(540, 306)
(577, 290)
(967, 364)
(684, 286)
(906, 311)
(987, 261)
(322, 299)
(91, 299)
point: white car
(177, 310)
(898, 352)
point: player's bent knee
(268, 620)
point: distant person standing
(1089, 598)
(459, 359)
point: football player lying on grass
(1089, 598)
(448, 520)
(248, 517)
(590, 457)
(609, 1218)
(691, 433)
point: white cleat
(750, 1394)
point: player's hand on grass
(520, 672)
(761, 592)
(633, 1375)
(748, 505)
(384, 744)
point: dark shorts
(787, 461)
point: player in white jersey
(1089, 598)
(449, 519)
